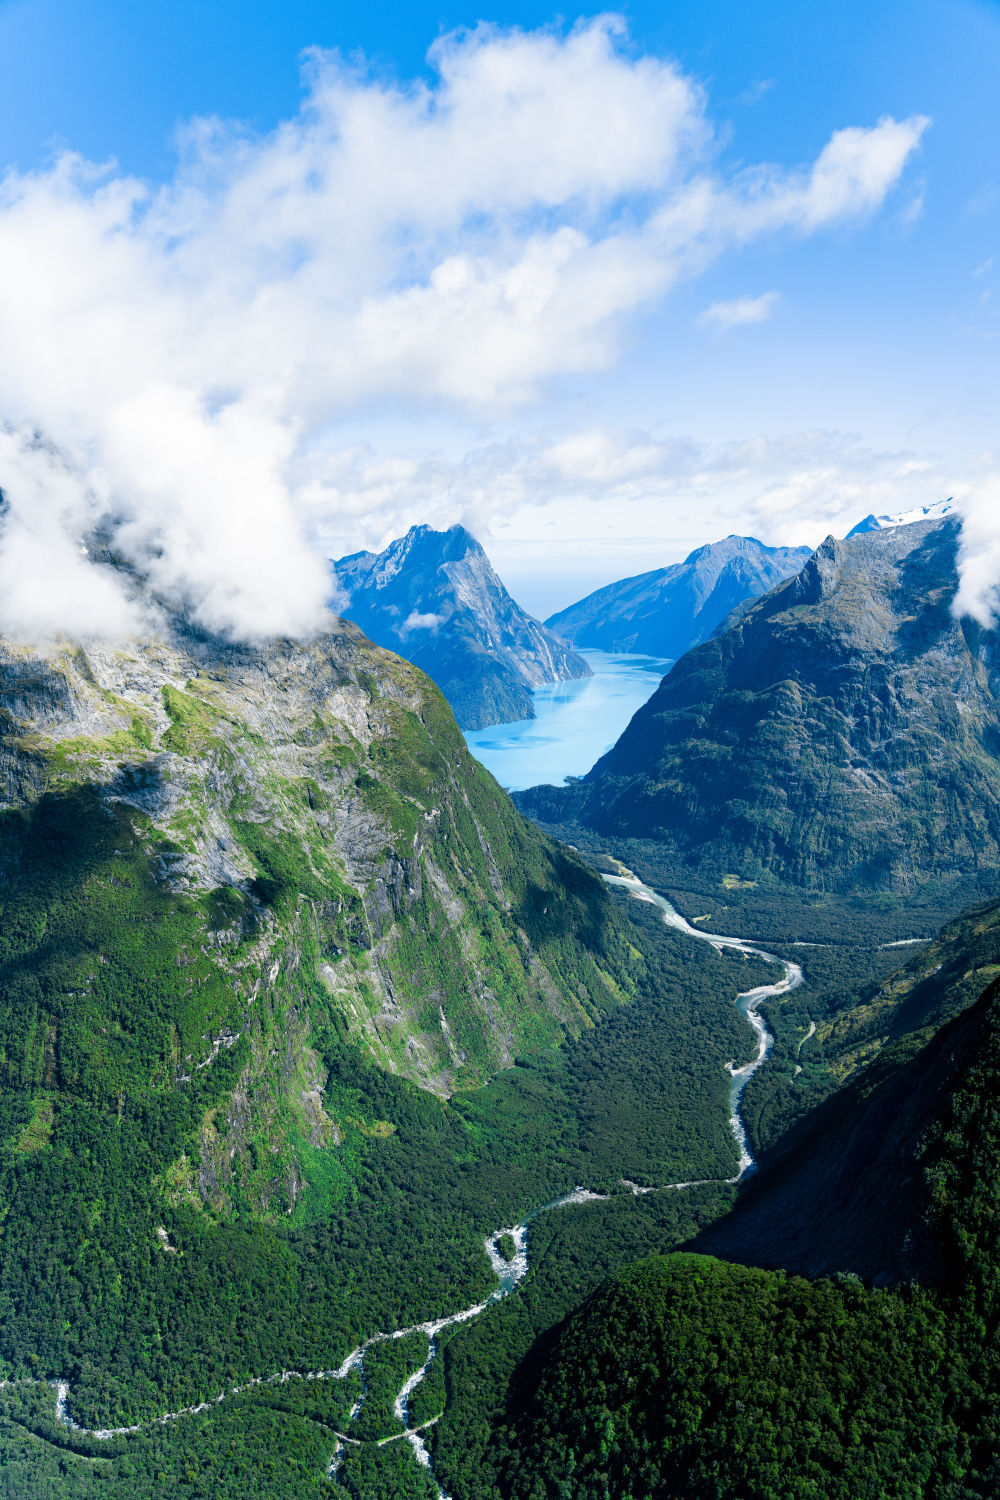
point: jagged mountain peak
(733, 545)
(421, 543)
(435, 597)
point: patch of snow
(935, 512)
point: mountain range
(843, 732)
(667, 611)
(434, 597)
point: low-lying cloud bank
(187, 350)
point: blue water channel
(574, 723)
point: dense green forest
(217, 1162)
(685, 1376)
(145, 1299)
(678, 1376)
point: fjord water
(574, 723)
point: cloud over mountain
(188, 349)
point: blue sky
(781, 380)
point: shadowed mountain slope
(856, 1186)
(843, 733)
(686, 1375)
(434, 597)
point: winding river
(509, 1273)
(748, 1002)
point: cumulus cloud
(190, 348)
(46, 511)
(740, 310)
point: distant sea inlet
(574, 723)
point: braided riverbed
(509, 1273)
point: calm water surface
(575, 722)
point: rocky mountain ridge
(841, 733)
(435, 598)
(873, 522)
(339, 858)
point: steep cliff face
(666, 612)
(844, 733)
(208, 853)
(434, 597)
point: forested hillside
(394, 1235)
(269, 944)
(296, 1011)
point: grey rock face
(434, 597)
(333, 765)
(666, 612)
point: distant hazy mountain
(935, 512)
(666, 612)
(433, 597)
(843, 733)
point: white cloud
(42, 558)
(191, 348)
(915, 208)
(613, 483)
(417, 621)
(755, 93)
(979, 553)
(740, 310)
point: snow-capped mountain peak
(935, 512)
